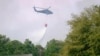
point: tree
(28, 46)
(53, 47)
(3, 42)
(15, 47)
(39, 50)
(84, 37)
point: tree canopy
(53, 47)
(84, 37)
(15, 47)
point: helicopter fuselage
(45, 11)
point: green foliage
(84, 37)
(40, 50)
(53, 47)
(28, 46)
(3, 43)
(15, 47)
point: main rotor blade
(39, 8)
(42, 8)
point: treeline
(15, 47)
(82, 40)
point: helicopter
(44, 11)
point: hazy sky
(19, 21)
